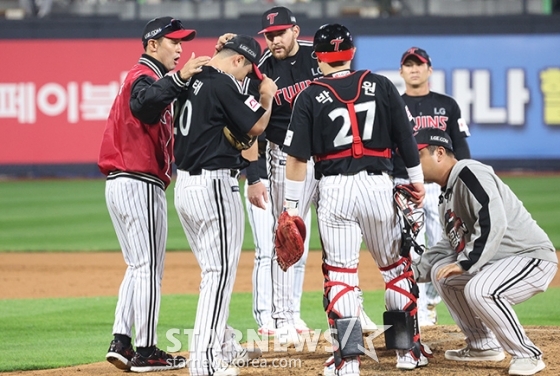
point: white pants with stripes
(349, 208)
(262, 225)
(283, 283)
(211, 212)
(138, 211)
(481, 303)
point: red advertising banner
(55, 95)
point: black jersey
(439, 111)
(321, 124)
(291, 75)
(213, 101)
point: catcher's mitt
(240, 142)
(412, 215)
(290, 234)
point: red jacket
(131, 145)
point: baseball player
(292, 65)
(348, 121)
(262, 225)
(492, 255)
(136, 156)
(430, 110)
(215, 122)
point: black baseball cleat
(158, 361)
(120, 356)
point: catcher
(349, 121)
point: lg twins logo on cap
(270, 17)
(252, 103)
(336, 43)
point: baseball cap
(277, 18)
(248, 47)
(433, 136)
(419, 53)
(166, 27)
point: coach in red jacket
(136, 155)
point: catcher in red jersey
(136, 155)
(348, 122)
(430, 110)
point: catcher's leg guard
(404, 333)
(346, 331)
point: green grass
(66, 332)
(70, 215)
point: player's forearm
(296, 169)
(261, 124)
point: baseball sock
(124, 339)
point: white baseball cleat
(525, 366)
(466, 354)
(267, 329)
(368, 326)
(328, 367)
(288, 336)
(406, 361)
(301, 326)
(245, 356)
(227, 370)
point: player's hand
(258, 195)
(267, 86)
(193, 66)
(449, 270)
(222, 41)
(419, 194)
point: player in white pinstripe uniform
(207, 195)
(430, 110)
(262, 225)
(493, 255)
(136, 154)
(349, 121)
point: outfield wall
(55, 93)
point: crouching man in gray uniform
(492, 256)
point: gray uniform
(506, 257)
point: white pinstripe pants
(139, 214)
(481, 303)
(283, 282)
(211, 212)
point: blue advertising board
(508, 87)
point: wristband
(293, 190)
(253, 173)
(415, 174)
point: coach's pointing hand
(193, 66)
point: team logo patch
(463, 127)
(252, 103)
(289, 136)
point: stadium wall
(59, 77)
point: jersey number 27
(344, 136)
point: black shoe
(120, 356)
(158, 361)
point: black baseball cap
(433, 136)
(277, 18)
(166, 27)
(248, 47)
(418, 53)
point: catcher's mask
(412, 216)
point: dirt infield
(35, 275)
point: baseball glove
(240, 142)
(290, 234)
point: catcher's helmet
(333, 42)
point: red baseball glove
(290, 235)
